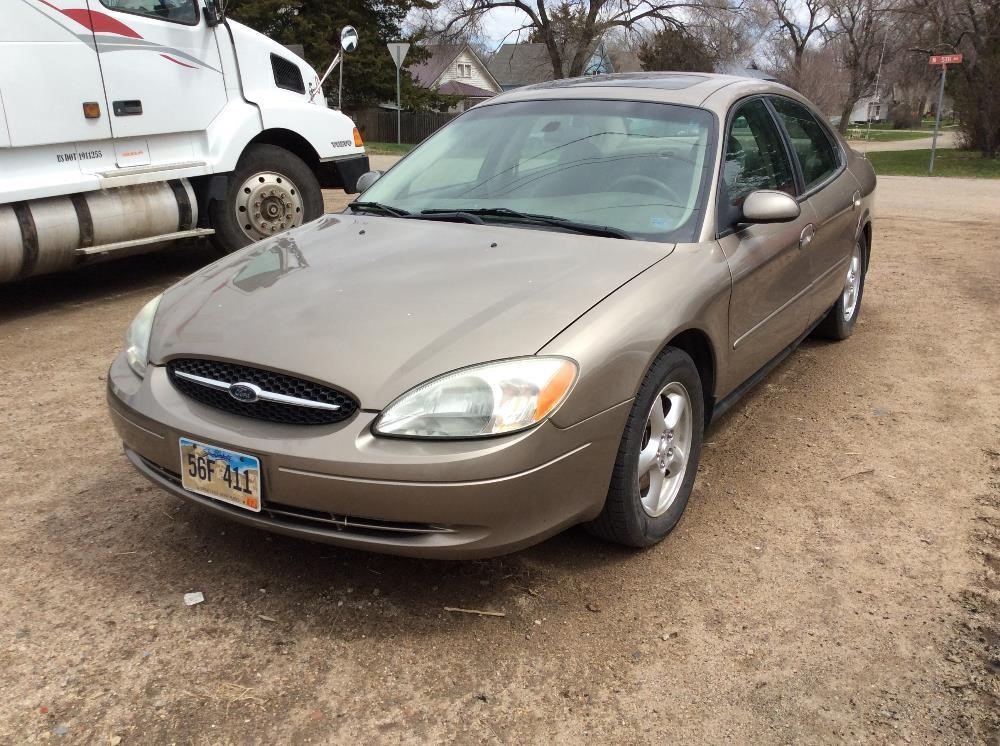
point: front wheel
(658, 456)
(270, 191)
(840, 320)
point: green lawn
(387, 148)
(947, 162)
(881, 135)
(927, 124)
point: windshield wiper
(528, 217)
(379, 207)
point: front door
(48, 70)
(162, 76)
(769, 307)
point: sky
(497, 24)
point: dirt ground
(836, 576)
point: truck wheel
(270, 191)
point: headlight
(137, 337)
(491, 399)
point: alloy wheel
(666, 446)
(852, 288)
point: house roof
(426, 74)
(524, 64)
(458, 88)
(521, 64)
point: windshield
(637, 167)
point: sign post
(944, 60)
(398, 51)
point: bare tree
(971, 27)
(570, 28)
(795, 23)
(822, 79)
(861, 30)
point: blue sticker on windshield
(660, 223)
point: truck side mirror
(348, 38)
(214, 13)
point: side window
(178, 11)
(812, 145)
(755, 157)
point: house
(455, 70)
(516, 65)
(874, 108)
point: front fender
(328, 131)
(616, 341)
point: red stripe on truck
(182, 64)
(95, 21)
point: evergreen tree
(369, 73)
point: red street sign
(946, 59)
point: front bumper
(340, 484)
(343, 173)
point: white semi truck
(128, 123)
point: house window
(464, 70)
(874, 109)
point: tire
(275, 183)
(629, 516)
(839, 321)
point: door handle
(806, 236)
(127, 108)
(856, 200)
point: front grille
(326, 522)
(269, 381)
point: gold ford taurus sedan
(526, 324)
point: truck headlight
(137, 337)
(481, 401)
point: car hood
(375, 306)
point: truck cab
(127, 123)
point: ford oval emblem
(244, 392)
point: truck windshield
(637, 167)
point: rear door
(162, 76)
(769, 307)
(832, 192)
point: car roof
(689, 89)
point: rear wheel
(840, 320)
(658, 456)
(270, 191)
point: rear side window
(816, 154)
(176, 11)
(755, 157)
(287, 74)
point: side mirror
(214, 13)
(767, 206)
(348, 38)
(367, 179)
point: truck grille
(274, 397)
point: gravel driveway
(836, 576)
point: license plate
(220, 473)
